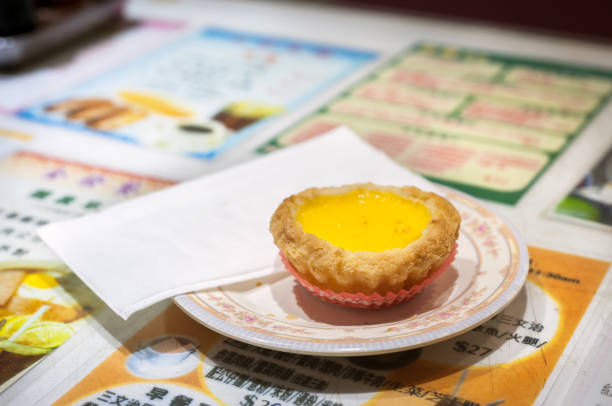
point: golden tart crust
(340, 270)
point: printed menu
(480, 122)
(483, 123)
(42, 303)
(105, 50)
(507, 360)
(201, 94)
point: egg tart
(365, 245)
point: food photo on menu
(202, 94)
(214, 211)
(591, 200)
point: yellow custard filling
(364, 220)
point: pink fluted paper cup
(373, 301)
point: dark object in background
(585, 18)
(29, 29)
(17, 17)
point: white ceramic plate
(276, 312)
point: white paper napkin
(210, 231)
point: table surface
(584, 359)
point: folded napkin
(209, 231)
